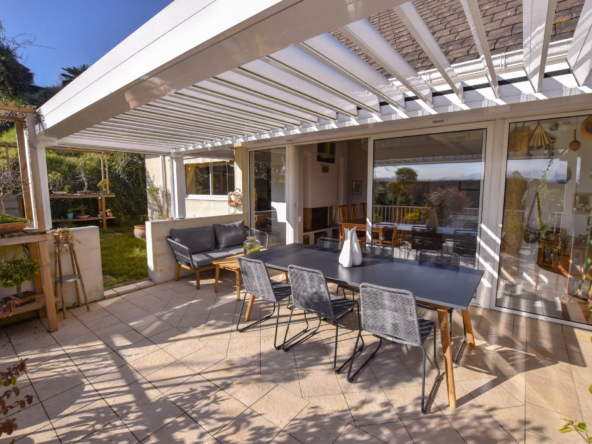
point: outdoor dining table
(442, 287)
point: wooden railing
(398, 213)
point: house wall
(357, 169)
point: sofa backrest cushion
(230, 235)
(197, 239)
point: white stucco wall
(203, 207)
(161, 260)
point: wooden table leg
(238, 284)
(469, 327)
(287, 277)
(217, 278)
(249, 308)
(447, 352)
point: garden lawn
(123, 256)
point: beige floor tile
(29, 420)
(316, 426)
(547, 351)
(319, 382)
(85, 316)
(183, 347)
(54, 385)
(371, 407)
(115, 432)
(552, 395)
(203, 359)
(581, 366)
(495, 343)
(274, 361)
(354, 435)
(170, 376)
(488, 431)
(280, 406)
(225, 372)
(130, 314)
(244, 346)
(249, 427)
(216, 412)
(153, 362)
(104, 322)
(407, 402)
(71, 400)
(132, 397)
(137, 350)
(335, 404)
(288, 380)
(250, 388)
(101, 364)
(45, 435)
(115, 380)
(62, 336)
(490, 394)
(153, 416)
(284, 438)
(119, 336)
(432, 430)
(192, 392)
(512, 420)
(546, 423)
(220, 345)
(84, 422)
(464, 401)
(182, 430)
(392, 433)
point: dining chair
(389, 234)
(361, 234)
(451, 260)
(311, 295)
(464, 243)
(424, 238)
(354, 212)
(364, 210)
(342, 214)
(329, 243)
(391, 314)
(257, 283)
(370, 249)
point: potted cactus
(70, 213)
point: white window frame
(189, 196)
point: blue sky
(73, 32)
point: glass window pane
(197, 178)
(545, 243)
(430, 180)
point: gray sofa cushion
(197, 239)
(204, 259)
(230, 235)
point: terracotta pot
(63, 238)
(140, 231)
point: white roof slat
(137, 139)
(97, 129)
(537, 25)
(579, 55)
(329, 51)
(471, 8)
(161, 146)
(363, 34)
(277, 78)
(210, 133)
(422, 35)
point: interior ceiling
(364, 72)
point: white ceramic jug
(356, 248)
(346, 256)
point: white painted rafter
(537, 26)
(471, 8)
(579, 55)
(363, 34)
(422, 35)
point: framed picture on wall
(326, 152)
(582, 203)
(357, 187)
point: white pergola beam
(115, 141)
(363, 34)
(471, 8)
(170, 129)
(579, 55)
(537, 26)
(126, 129)
(422, 35)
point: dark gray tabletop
(437, 285)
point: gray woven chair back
(256, 279)
(309, 291)
(378, 250)
(438, 258)
(465, 243)
(328, 242)
(389, 312)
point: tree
(15, 78)
(405, 180)
(72, 72)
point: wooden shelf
(19, 240)
(82, 220)
(39, 303)
(81, 196)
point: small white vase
(432, 221)
(356, 248)
(346, 256)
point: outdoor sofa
(196, 248)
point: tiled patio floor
(166, 365)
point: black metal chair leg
(464, 342)
(253, 324)
(288, 344)
(351, 377)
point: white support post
(370, 189)
(579, 55)
(292, 210)
(39, 185)
(538, 23)
(178, 185)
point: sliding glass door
(546, 247)
(429, 188)
(268, 193)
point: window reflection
(544, 260)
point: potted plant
(82, 214)
(10, 185)
(67, 189)
(64, 235)
(15, 271)
(140, 230)
(56, 183)
(70, 213)
(104, 185)
(109, 213)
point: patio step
(129, 288)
